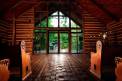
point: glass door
(53, 42)
(76, 44)
(58, 42)
(64, 42)
(40, 42)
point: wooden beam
(18, 3)
(90, 7)
(14, 30)
(101, 6)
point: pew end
(118, 69)
(4, 71)
(26, 63)
(95, 67)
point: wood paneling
(93, 30)
(115, 33)
(10, 32)
(24, 29)
(4, 30)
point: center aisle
(60, 67)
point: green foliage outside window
(40, 35)
(54, 19)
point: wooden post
(70, 38)
(14, 30)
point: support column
(14, 30)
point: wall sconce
(104, 35)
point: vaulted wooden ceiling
(104, 10)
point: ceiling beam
(15, 5)
(103, 8)
(94, 10)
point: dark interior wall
(20, 28)
(93, 31)
(4, 26)
(115, 33)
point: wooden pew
(102, 61)
(118, 69)
(95, 67)
(20, 66)
(4, 72)
(13, 53)
(26, 63)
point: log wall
(24, 26)
(93, 31)
(115, 33)
(4, 26)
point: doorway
(58, 42)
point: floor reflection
(60, 67)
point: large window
(58, 34)
(57, 19)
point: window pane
(53, 42)
(64, 21)
(53, 21)
(60, 13)
(80, 42)
(40, 43)
(73, 24)
(55, 13)
(64, 42)
(43, 23)
(77, 42)
(74, 43)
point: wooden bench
(20, 65)
(102, 61)
(13, 53)
(26, 61)
(118, 69)
(4, 72)
(95, 67)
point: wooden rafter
(101, 6)
(89, 6)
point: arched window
(57, 34)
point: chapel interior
(61, 40)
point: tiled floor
(60, 67)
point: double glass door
(58, 42)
